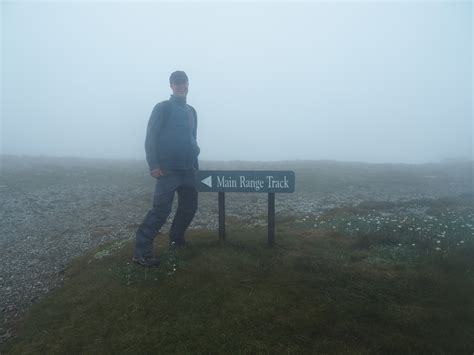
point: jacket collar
(181, 101)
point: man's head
(179, 83)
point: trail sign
(245, 181)
(222, 181)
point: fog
(382, 82)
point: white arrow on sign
(207, 181)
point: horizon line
(440, 161)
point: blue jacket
(170, 142)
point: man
(171, 153)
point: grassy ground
(326, 287)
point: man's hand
(156, 173)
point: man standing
(171, 153)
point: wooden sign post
(222, 181)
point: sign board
(245, 181)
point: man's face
(180, 88)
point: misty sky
(349, 81)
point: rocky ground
(54, 209)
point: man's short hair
(178, 77)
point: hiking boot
(151, 261)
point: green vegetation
(349, 281)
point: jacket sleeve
(152, 136)
(196, 163)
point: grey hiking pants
(182, 182)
